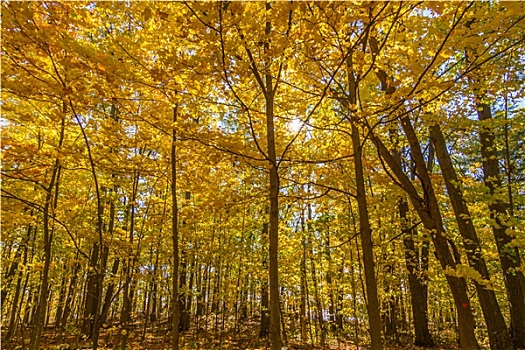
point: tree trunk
(14, 309)
(10, 273)
(428, 210)
(509, 256)
(202, 282)
(175, 239)
(69, 298)
(332, 310)
(416, 281)
(302, 316)
(275, 335)
(125, 314)
(91, 298)
(38, 322)
(417, 266)
(499, 336)
(435, 226)
(184, 312)
(109, 293)
(365, 230)
(304, 286)
(265, 319)
(61, 298)
(313, 272)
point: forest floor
(159, 338)
(52, 341)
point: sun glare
(295, 125)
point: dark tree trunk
(428, 210)
(365, 230)
(125, 314)
(61, 298)
(14, 309)
(265, 317)
(499, 336)
(184, 312)
(417, 266)
(417, 281)
(202, 283)
(49, 205)
(10, 273)
(302, 316)
(332, 310)
(91, 298)
(175, 239)
(509, 256)
(109, 293)
(69, 298)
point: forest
(262, 175)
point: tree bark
(38, 322)
(265, 319)
(125, 313)
(509, 256)
(14, 309)
(109, 293)
(417, 267)
(428, 210)
(184, 312)
(499, 336)
(91, 298)
(365, 230)
(61, 298)
(302, 308)
(275, 334)
(175, 238)
(416, 281)
(313, 272)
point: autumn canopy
(281, 174)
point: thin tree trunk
(365, 230)
(48, 241)
(416, 281)
(332, 307)
(275, 335)
(175, 238)
(265, 319)
(147, 303)
(269, 94)
(302, 316)
(91, 298)
(154, 309)
(69, 298)
(96, 277)
(13, 318)
(313, 271)
(61, 298)
(109, 293)
(202, 282)
(125, 314)
(49, 305)
(184, 313)
(10, 273)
